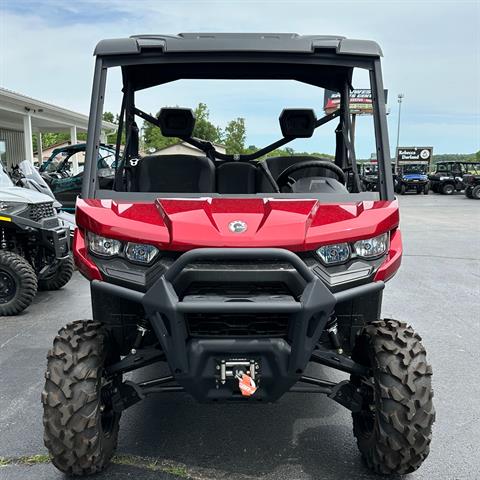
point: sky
(431, 55)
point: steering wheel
(285, 179)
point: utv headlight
(335, 253)
(139, 252)
(105, 247)
(372, 247)
(11, 207)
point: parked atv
(368, 172)
(412, 178)
(34, 246)
(27, 176)
(448, 176)
(64, 176)
(235, 272)
(472, 186)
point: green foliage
(235, 136)
(204, 128)
(109, 117)
(153, 138)
(49, 139)
(289, 151)
(457, 157)
(112, 137)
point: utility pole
(400, 98)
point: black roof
(238, 42)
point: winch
(237, 368)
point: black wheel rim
(108, 416)
(8, 287)
(368, 412)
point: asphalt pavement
(302, 437)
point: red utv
(237, 271)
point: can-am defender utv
(236, 273)
(34, 246)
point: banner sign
(422, 155)
(360, 101)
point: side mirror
(176, 122)
(297, 122)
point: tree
(153, 138)
(235, 136)
(205, 129)
(112, 137)
(109, 117)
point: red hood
(182, 224)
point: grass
(131, 460)
(152, 464)
(32, 459)
(25, 460)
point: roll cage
(326, 62)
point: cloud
(431, 55)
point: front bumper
(194, 361)
(49, 233)
(414, 183)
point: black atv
(448, 176)
(472, 186)
(34, 246)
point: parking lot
(300, 437)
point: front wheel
(394, 427)
(80, 425)
(448, 189)
(59, 277)
(18, 283)
(403, 189)
(476, 192)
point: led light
(372, 247)
(105, 247)
(139, 252)
(335, 253)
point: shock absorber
(142, 329)
(332, 329)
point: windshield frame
(293, 67)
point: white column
(39, 148)
(73, 141)
(27, 137)
(73, 134)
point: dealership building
(21, 117)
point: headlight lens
(10, 207)
(335, 253)
(105, 247)
(139, 252)
(372, 247)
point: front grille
(237, 289)
(41, 210)
(237, 325)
